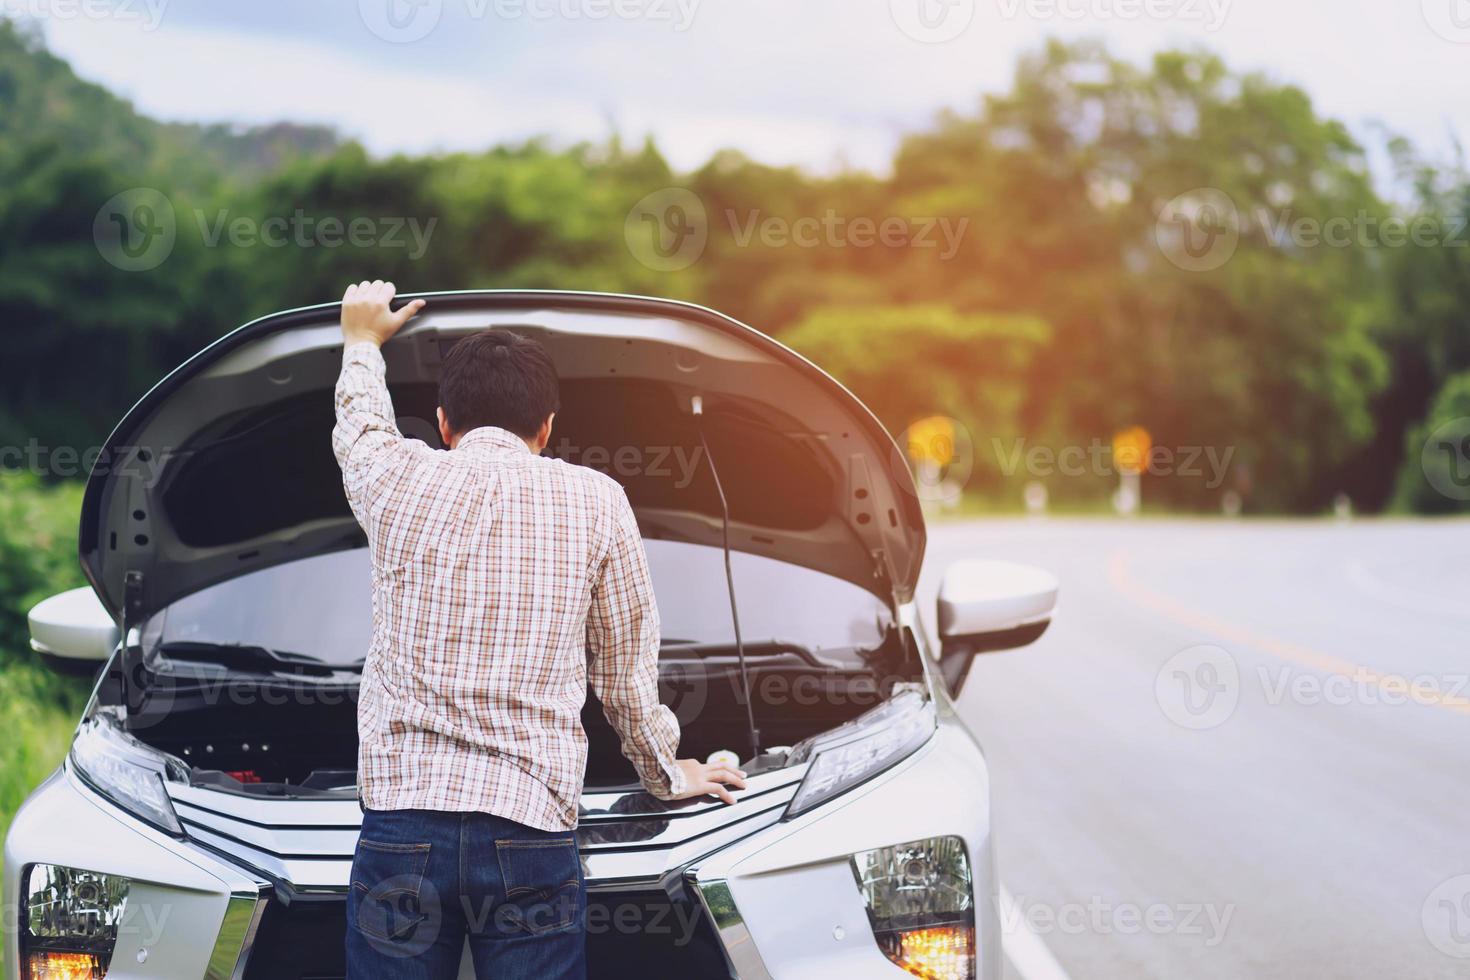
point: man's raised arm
(366, 439)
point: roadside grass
(37, 721)
(38, 557)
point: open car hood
(226, 466)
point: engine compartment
(282, 735)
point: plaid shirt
(503, 582)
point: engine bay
(283, 735)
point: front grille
(628, 841)
(302, 940)
(629, 934)
(646, 934)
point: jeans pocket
(391, 901)
(543, 885)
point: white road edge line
(1023, 947)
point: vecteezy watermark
(138, 229)
(400, 916)
(401, 21)
(940, 454)
(70, 462)
(407, 21)
(832, 230)
(301, 230)
(1199, 687)
(1446, 458)
(932, 21)
(1363, 686)
(676, 464)
(1200, 230)
(1103, 917)
(669, 230)
(1286, 229)
(145, 924)
(135, 230)
(676, 923)
(1099, 458)
(1450, 19)
(1210, 14)
(146, 13)
(1445, 917)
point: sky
(824, 84)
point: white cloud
(812, 82)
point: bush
(38, 553)
(38, 557)
(1436, 479)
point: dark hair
(498, 378)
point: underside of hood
(226, 466)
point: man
(503, 582)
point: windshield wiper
(251, 659)
(752, 648)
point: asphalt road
(1242, 750)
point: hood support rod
(697, 405)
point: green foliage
(909, 362)
(1068, 175)
(38, 550)
(1427, 468)
(38, 728)
(38, 558)
(912, 362)
(1307, 362)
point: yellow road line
(1395, 685)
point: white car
(204, 822)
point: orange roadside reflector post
(932, 440)
(1131, 448)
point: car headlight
(127, 772)
(861, 749)
(921, 905)
(69, 922)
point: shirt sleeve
(371, 451)
(622, 659)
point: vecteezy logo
(940, 453)
(932, 21)
(135, 230)
(683, 689)
(1445, 917)
(668, 229)
(1198, 688)
(1446, 459)
(401, 21)
(400, 916)
(1198, 230)
(1450, 19)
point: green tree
(1434, 477)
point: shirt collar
(494, 437)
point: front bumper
(701, 890)
(187, 913)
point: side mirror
(985, 606)
(72, 632)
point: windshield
(321, 607)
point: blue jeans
(423, 881)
